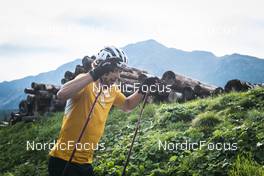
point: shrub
(175, 113)
(244, 165)
(206, 121)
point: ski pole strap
(135, 134)
(82, 132)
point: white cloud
(72, 29)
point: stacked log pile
(128, 76)
(84, 68)
(182, 88)
(41, 98)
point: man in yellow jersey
(80, 94)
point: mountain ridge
(11, 92)
(156, 58)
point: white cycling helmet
(112, 52)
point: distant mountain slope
(202, 65)
(11, 92)
(237, 66)
(156, 59)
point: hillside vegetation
(234, 120)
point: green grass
(245, 165)
(206, 122)
(234, 118)
(15, 158)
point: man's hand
(146, 85)
(104, 67)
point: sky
(38, 36)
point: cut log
(29, 118)
(23, 107)
(42, 102)
(138, 70)
(56, 89)
(218, 91)
(128, 81)
(52, 88)
(63, 81)
(127, 69)
(37, 86)
(87, 63)
(237, 85)
(15, 117)
(30, 91)
(142, 77)
(179, 83)
(188, 93)
(175, 97)
(169, 77)
(31, 98)
(129, 75)
(43, 94)
(4, 123)
(132, 69)
(56, 105)
(79, 69)
(68, 75)
(160, 97)
(202, 92)
(49, 87)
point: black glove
(145, 85)
(104, 67)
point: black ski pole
(82, 132)
(135, 134)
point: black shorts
(56, 167)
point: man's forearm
(72, 87)
(132, 101)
